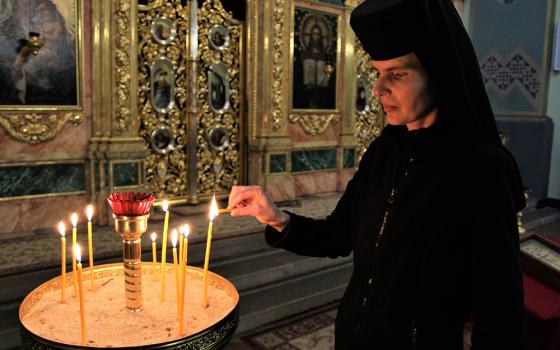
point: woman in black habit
(430, 214)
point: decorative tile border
(518, 70)
(315, 332)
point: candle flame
(165, 205)
(89, 211)
(213, 209)
(153, 236)
(174, 238)
(74, 219)
(182, 229)
(78, 253)
(61, 228)
(186, 231)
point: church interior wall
(108, 143)
(512, 40)
(553, 110)
(41, 182)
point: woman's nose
(380, 88)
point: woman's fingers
(242, 196)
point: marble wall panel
(313, 183)
(349, 158)
(125, 174)
(28, 215)
(277, 163)
(312, 160)
(280, 188)
(43, 179)
(343, 178)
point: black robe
(448, 249)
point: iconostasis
(180, 98)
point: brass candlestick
(131, 229)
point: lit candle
(175, 266)
(181, 233)
(62, 229)
(74, 219)
(90, 246)
(182, 278)
(78, 255)
(154, 254)
(165, 207)
(213, 213)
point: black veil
(433, 30)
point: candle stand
(131, 229)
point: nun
(430, 215)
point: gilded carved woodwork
(218, 168)
(278, 59)
(122, 66)
(371, 120)
(166, 173)
(314, 124)
(36, 128)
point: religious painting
(218, 138)
(218, 87)
(162, 141)
(163, 31)
(363, 94)
(162, 85)
(218, 37)
(315, 57)
(40, 54)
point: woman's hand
(253, 201)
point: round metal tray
(214, 336)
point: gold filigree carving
(371, 121)
(314, 124)
(122, 66)
(36, 128)
(278, 64)
(218, 169)
(165, 173)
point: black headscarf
(433, 30)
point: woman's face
(404, 89)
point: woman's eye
(398, 75)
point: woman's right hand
(254, 201)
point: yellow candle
(212, 215)
(62, 229)
(182, 279)
(175, 268)
(74, 219)
(77, 253)
(181, 233)
(165, 207)
(90, 246)
(154, 254)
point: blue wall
(553, 111)
(513, 44)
